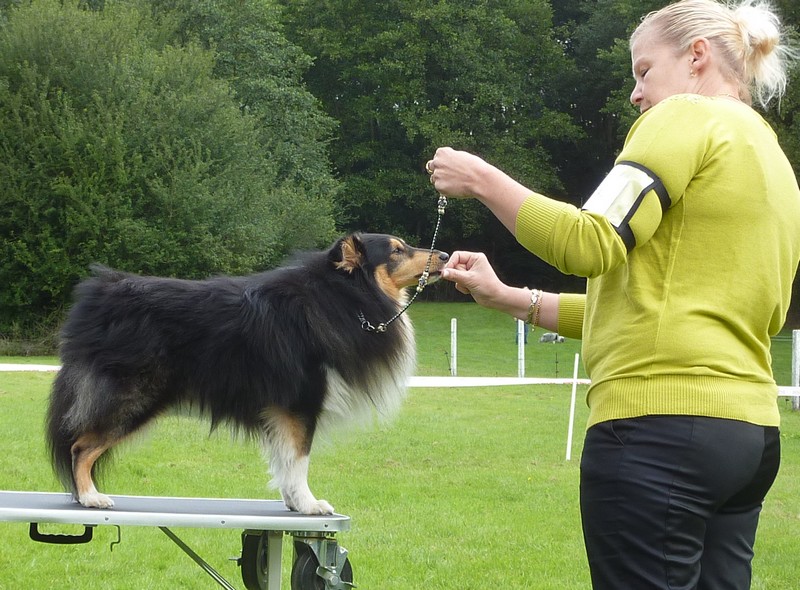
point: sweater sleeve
(575, 242)
(570, 315)
(649, 177)
(672, 153)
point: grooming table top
(47, 507)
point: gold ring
(428, 168)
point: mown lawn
(466, 489)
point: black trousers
(672, 502)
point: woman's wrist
(500, 193)
(534, 308)
(486, 181)
(514, 301)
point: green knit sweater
(690, 246)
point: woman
(690, 246)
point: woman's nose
(636, 96)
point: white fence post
(520, 349)
(795, 366)
(572, 407)
(453, 347)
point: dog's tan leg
(288, 442)
(85, 452)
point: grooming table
(319, 562)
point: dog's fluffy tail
(60, 434)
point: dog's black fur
(271, 354)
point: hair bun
(760, 28)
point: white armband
(621, 193)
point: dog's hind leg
(85, 452)
(287, 438)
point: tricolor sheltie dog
(274, 355)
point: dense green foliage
(121, 147)
(406, 77)
(191, 137)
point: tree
(265, 72)
(405, 77)
(121, 150)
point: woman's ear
(700, 53)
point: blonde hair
(748, 34)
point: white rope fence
(32, 368)
(792, 391)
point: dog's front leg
(292, 479)
(287, 439)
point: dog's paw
(95, 500)
(320, 507)
(312, 506)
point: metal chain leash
(423, 279)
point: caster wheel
(254, 561)
(305, 577)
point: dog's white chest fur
(385, 391)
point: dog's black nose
(444, 256)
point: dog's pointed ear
(348, 253)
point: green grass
(465, 489)
(486, 344)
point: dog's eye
(397, 250)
